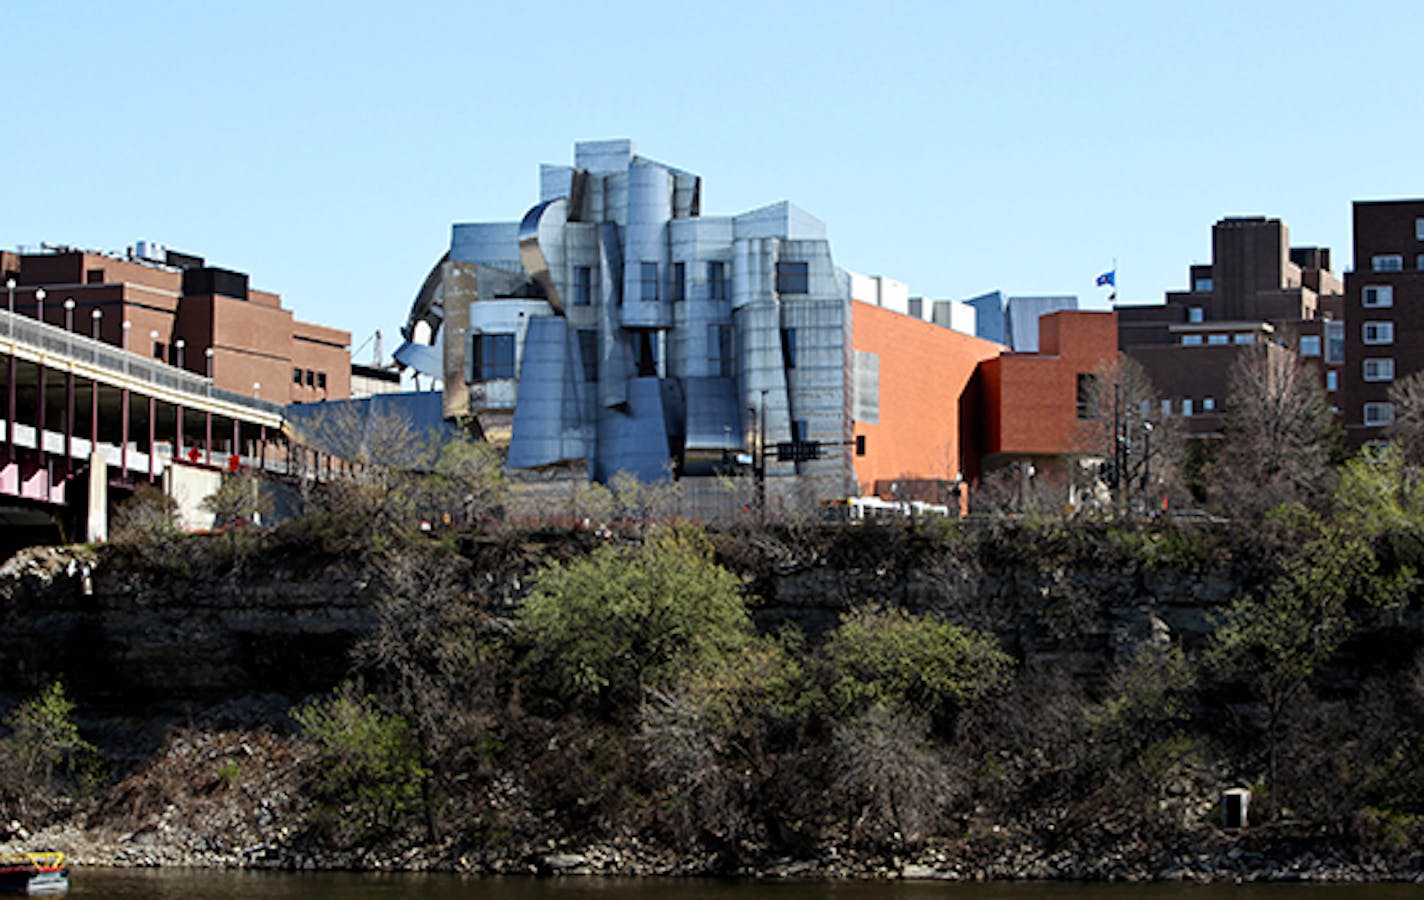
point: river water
(171, 884)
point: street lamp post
(124, 403)
(69, 385)
(179, 345)
(10, 292)
(95, 318)
(208, 415)
(10, 367)
(40, 386)
(39, 304)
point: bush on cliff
(623, 620)
(43, 760)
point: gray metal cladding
(633, 439)
(713, 414)
(645, 247)
(541, 246)
(867, 388)
(552, 415)
(1021, 319)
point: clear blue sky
(957, 146)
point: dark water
(170, 885)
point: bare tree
(1121, 421)
(1407, 395)
(1278, 435)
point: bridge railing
(53, 339)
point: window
(583, 286)
(1191, 340)
(94, 276)
(1419, 262)
(717, 280)
(321, 380)
(1379, 369)
(311, 378)
(1387, 262)
(788, 348)
(1218, 339)
(1208, 404)
(1087, 384)
(1377, 296)
(1245, 337)
(719, 349)
(860, 445)
(800, 430)
(1379, 413)
(296, 376)
(648, 278)
(494, 356)
(1379, 333)
(1310, 345)
(588, 353)
(1419, 229)
(793, 278)
(1202, 286)
(1332, 380)
(1187, 406)
(1335, 342)
(679, 282)
(160, 351)
(1196, 314)
(1166, 407)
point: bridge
(75, 406)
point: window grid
(648, 278)
(1387, 262)
(1310, 345)
(1379, 333)
(793, 278)
(1379, 413)
(1379, 369)
(1377, 296)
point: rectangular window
(588, 353)
(800, 430)
(793, 278)
(1379, 413)
(1334, 343)
(648, 278)
(788, 348)
(1379, 333)
(717, 281)
(1387, 262)
(160, 351)
(719, 349)
(1202, 286)
(311, 378)
(1332, 380)
(494, 356)
(1419, 262)
(94, 276)
(1166, 407)
(1191, 340)
(1310, 345)
(1218, 339)
(1243, 338)
(860, 445)
(1379, 369)
(1087, 384)
(1196, 314)
(1419, 229)
(321, 380)
(1187, 406)
(1377, 296)
(1208, 404)
(679, 282)
(583, 286)
(296, 376)
(646, 355)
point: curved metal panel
(549, 215)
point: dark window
(311, 378)
(679, 282)
(588, 353)
(726, 359)
(717, 280)
(788, 348)
(860, 445)
(321, 380)
(160, 351)
(494, 356)
(1087, 406)
(648, 290)
(793, 278)
(800, 428)
(647, 354)
(583, 286)
(94, 276)
(296, 376)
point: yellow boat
(35, 874)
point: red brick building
(178, 310)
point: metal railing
(53, 339)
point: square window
(1379, 414)
(1196, 314)
(1332, 380)
(717, 280)
(1379, 333)
(1208, 404)
(1377, 296)
(648, 282)
(1310, 345)
(1387, 262)
(793, 278)
(494, 356)
(1202, 286)
(583, 286)
(1379, 369)
(679, 282)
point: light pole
(153, 336)
(10, 291)
(179, 345)
(124, 403)
(95, 317)
(10, 415)
(68, 322)
(39, 304)
(208, 414)
(69, 385)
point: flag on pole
(1108, 277)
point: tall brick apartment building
(1384, 309)
(176, 308)
(1257, 288)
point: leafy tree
(239, 498)
(1277, 642)
(43, 748)
(624, 619)
(915, 664)
(1381, 498)
(467, 480)
(367, 770)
